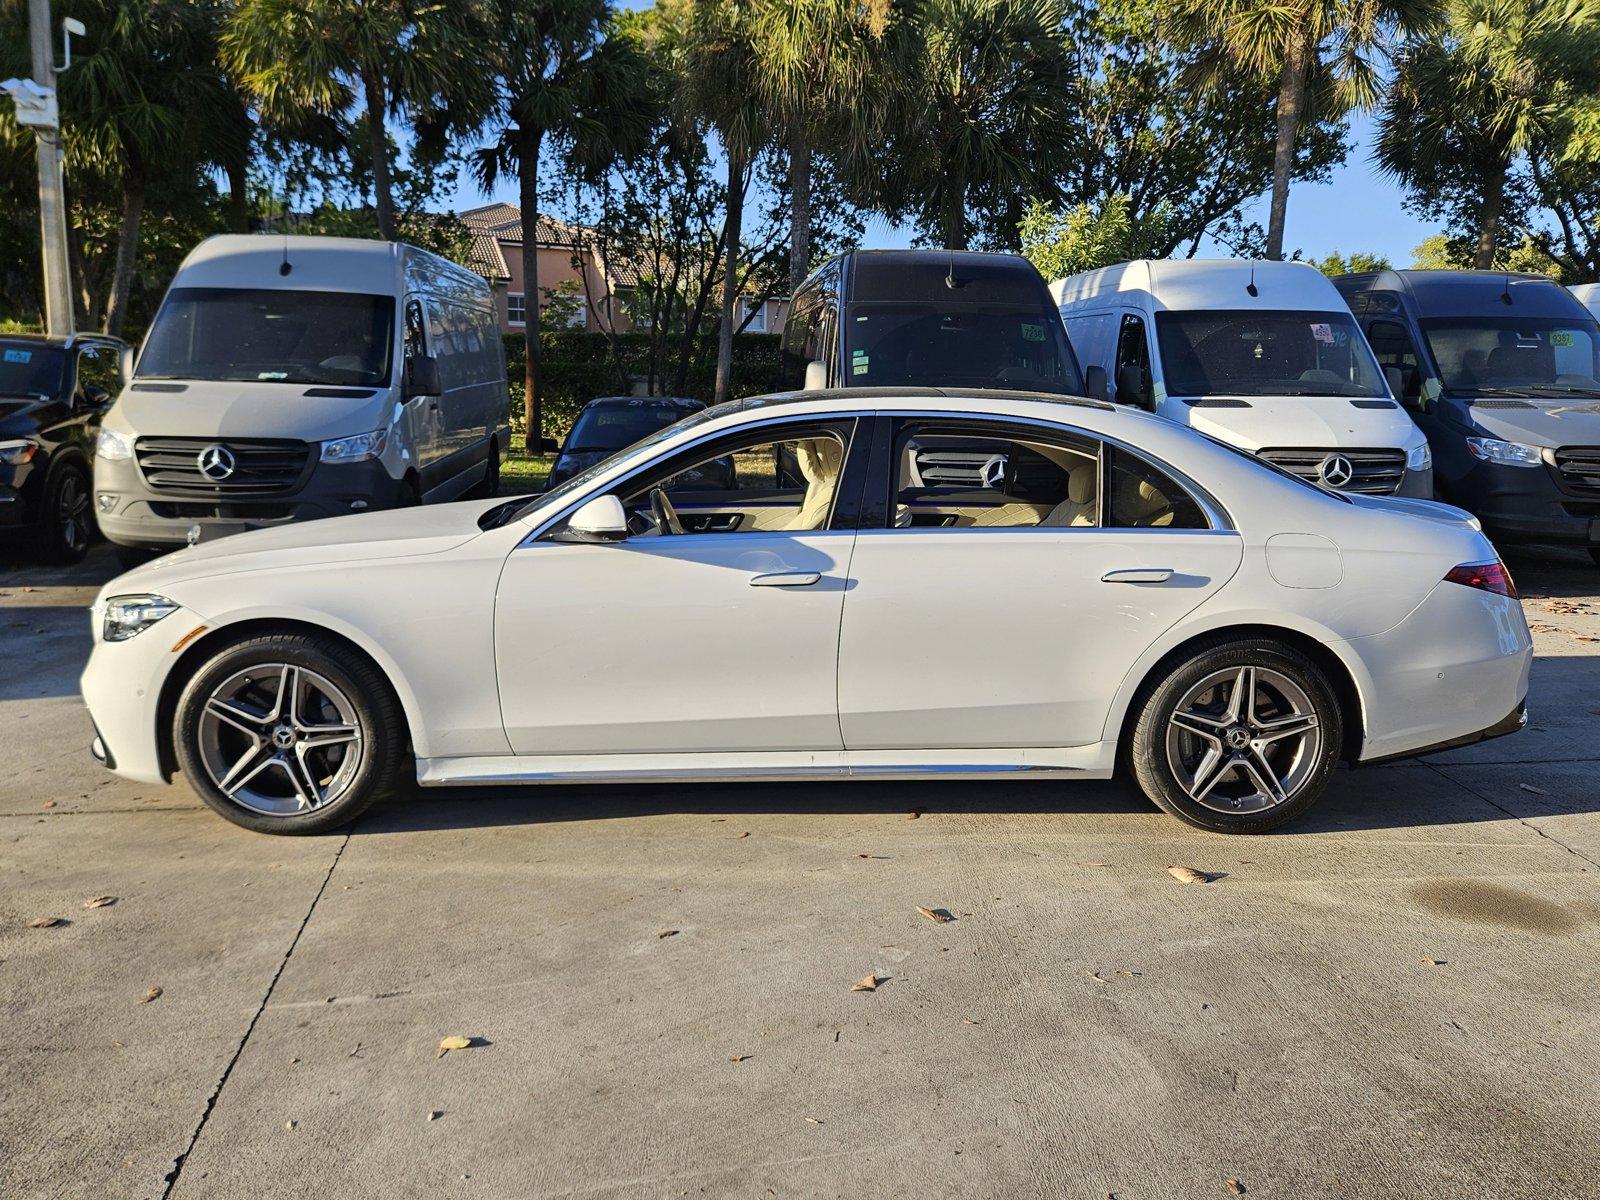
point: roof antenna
(950, 280)
(1505, 289)
(1251, 286)
(285, 266)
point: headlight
(113, 446)
(1506, 454)
(128, 615)
(1420, 459)
(355, 449)
(15, 453)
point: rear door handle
(786, 579)
(1138, 575)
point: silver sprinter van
(289, 378)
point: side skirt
(1077, 762)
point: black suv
(53, 391)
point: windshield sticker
(19, 356)
(272, 375)
(1033, 333)
(1560, 337)
(860, 367)
(1322, 332)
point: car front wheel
(1239, 738)
(290, 733)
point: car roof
(64, 341)
(1468, 293)
(683, 402)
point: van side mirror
(816, 376)
(124, 366)
(421, 377)
(1094, 382)
(1396, 382)
(1130, 384)
(602, 519)
(96, 397)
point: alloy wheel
(1244, 739)
(280, 740)
(72, 513)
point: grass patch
(521, 472)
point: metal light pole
(52, 196)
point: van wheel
(1594, 553)
(1238, 739)
(290, 733)
(489, 487)
(65, 525)
(129, 557)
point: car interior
(778, 485)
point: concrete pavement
(1395, 997)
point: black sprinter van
(928, 318)
(1502, 372)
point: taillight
(1488, 576)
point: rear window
(924, 345)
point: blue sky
(1355, 210)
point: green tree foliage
(1352, 264)
(1441, 252)
(1084, 237)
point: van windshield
(1531, 355)
(925, 345)
(1254, 353)
(271, 336)
(31, 369)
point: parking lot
(1395, 997)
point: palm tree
(712, 47)
(1335, 43)
(815, 60)
(1495, 81)
(980, 95)
(564, 79)
(302, 59)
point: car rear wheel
(1239, 738)
(290, 733)
(65, 525)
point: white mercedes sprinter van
(1588, 295)
(1263, 355)
(288, 378)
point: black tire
(1289, 687)
(129, 557)
(1594, 553)
(489, 486)
(369, 705)
(65, 526)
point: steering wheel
(666, 516)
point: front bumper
(138, 515)
(1521, 504)
(122, 686)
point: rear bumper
(1513, 722)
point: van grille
(261, 466)
(1374, 472)
(1579, 467)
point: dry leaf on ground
(48, 804)
(868, 983)
(434, 1114)
(153, 994)
(1432, 962)
(1189, 875)
(666, 933)
(941, 915)
(1235, 1188)
(814, 1120)
(45, 922)
(100, 902)
(738, 1058)
(453, 1042)
(913, 814)
(1528, 787)
(1539, 628)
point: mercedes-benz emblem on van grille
(217, 462)
(1336, 470)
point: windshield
(926, 345)
(28, 369)
(610, 427)
(271, 336)
(1250, 353)
(1538, 355)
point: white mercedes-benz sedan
(898, 584)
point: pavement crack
(171, 1180)
(1520, 820)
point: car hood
(274, 410)
(19, 416)
(1542, 422)
(396, 533)
(1313, 422)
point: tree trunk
(730, 274)
(238, 195)
(1291, 102)
(799, 205)
(1494, 196)
(378, 147)
(529, 143)
(127, 251)
(955, 212)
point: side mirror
(602, 519)
(1094, 382)
(96, 397)
(124, 366)
(816, 376)
(1130, 384)
(421, 377)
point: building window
(758, 323)
(516, 314)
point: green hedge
(578, 367)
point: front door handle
(1138, 575)
(786, 579)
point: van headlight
(113, 446)
(124, 616)
(355, 449)
(1506, 454)
(1420, 458)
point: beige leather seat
(819, 460)
(1080, 507)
